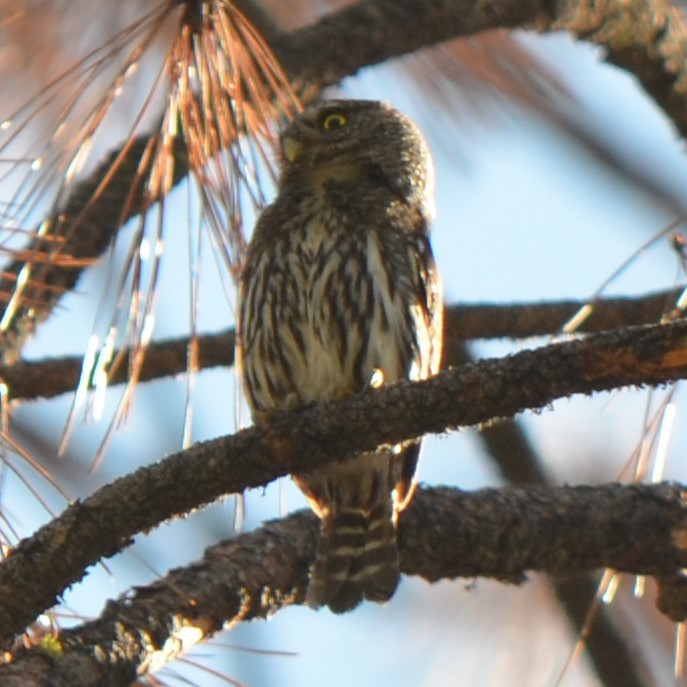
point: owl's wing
(427, 313)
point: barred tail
(356, 558)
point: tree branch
(30, 380)
(523, 320)
(41, 567)
(648, 38)
(85, 226)
(445, 533)
(48, 378)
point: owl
(340, 293)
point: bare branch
(645, 37)
(49, 378)
(522, 320)
(445, 533)
(28, 380)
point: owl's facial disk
(354, 142)
(320, 131)
(303, 135)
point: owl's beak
(291, 148)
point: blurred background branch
(28, 380)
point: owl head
(359, 141)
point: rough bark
(444, 534)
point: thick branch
(646, 37)
(444, 534)
(41, 567)
(49, 378)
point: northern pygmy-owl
(340, 292)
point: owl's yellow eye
(334, 121)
